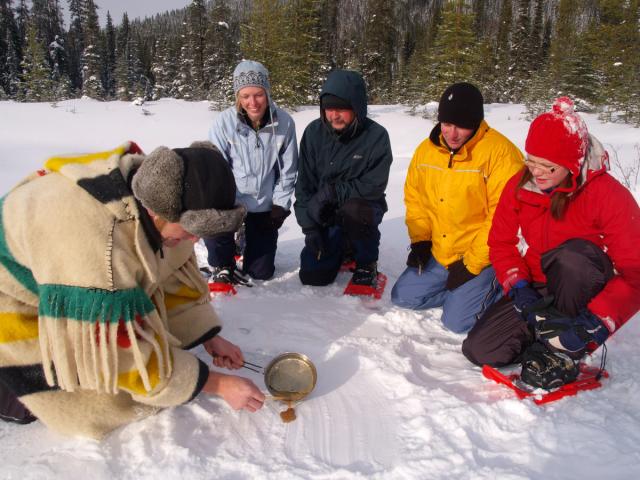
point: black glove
(572, 335)
(314, 241)
(419, 255)
(278, 216)
(323, 205)
(526, 301)
(458, 275)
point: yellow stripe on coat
(15, 327)
(180, 297)
(56, 163)
(132, 382)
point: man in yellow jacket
(452, 188)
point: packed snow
(395, 398)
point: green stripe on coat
(93, 304)
(21, 273)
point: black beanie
(462, 105)
(332, 101)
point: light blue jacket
(264, 163)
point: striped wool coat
(94, 324)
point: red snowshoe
(222, 280)
(588, 379)
(366, 282)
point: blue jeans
(357, 225)
(460, 307)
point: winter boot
(229, 275)
(365, 275)
(542, 368)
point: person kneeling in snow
(579, 279)
(453, 185)
(100, 292)
(345, 158)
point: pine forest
(522, 51)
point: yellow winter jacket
(451, 197)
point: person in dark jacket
(344, 165)
(578, 280)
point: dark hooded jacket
(356, 161)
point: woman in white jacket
(258, 139)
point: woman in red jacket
(564, 245)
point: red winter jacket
(601, 210)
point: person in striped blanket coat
(100, 293)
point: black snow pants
(576, 271)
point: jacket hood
(350, 86)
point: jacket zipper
(451, 154)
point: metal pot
(290, 377)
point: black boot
(12, 409)
(542, 368)
(365, 275)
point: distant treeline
(526, 51)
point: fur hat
(192, 186)
(559, 136)
(250, 74)
(462, 105)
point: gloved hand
(278, 216)
(458, 275)
(322, 206)
(314, 241)
(524, 298)
(572, 335)
(419, 255)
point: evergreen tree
(380, 45)
(183, 86)
(47, 19)
(304, 61)
(22, 18)
(221, 54)
(502, 87)
(162, 74)
(9, 50)
(538, 47)
(453, 57)
(58, 59)
(262, 39)
(75, 42)
(91, 54)
(617, 46)
(140, 66)
(36, 85)
(522, 46)
(123, 72)
(108, 67)
(195, 47)
(327, 39)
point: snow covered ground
(395, 398)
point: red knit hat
(559, 136)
